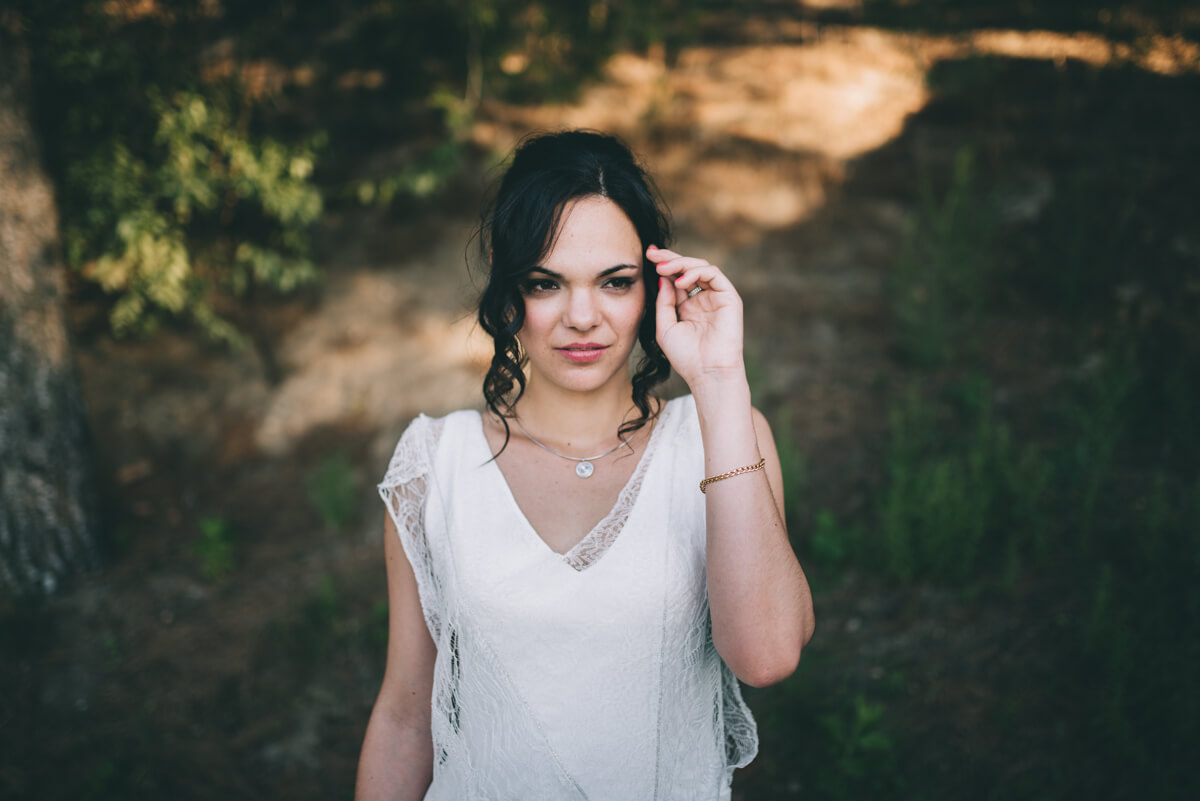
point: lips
(583, 352)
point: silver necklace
(584, 468)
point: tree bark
(48, 519)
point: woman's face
(584, 302)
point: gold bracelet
(750, 468)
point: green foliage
(1094, 419)
(833, 543)
(333, 491)
(426, 176)
(175, 197)
(314, 627)
(938, 283)
(205, 208)
(828, 741)
(214, 549)
(378, 630)
(104, 777)
(1098, 491)
(1137, 541)
(326, 602)
(959, 491)
(1139, 644)
(861, 758)
(334, 622)
(539, 51)
(794, 467)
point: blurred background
(236, 258)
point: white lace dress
(585, 675)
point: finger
(665, 314)
(679, 264)
(705, 276)
(656, 254)
(660, 255)
(680, 294)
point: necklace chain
(584, 469)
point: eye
(536, 285)
(619, 282)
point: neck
(576, 420)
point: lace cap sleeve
(404, 490)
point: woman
(535, 653)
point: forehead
(594, 234)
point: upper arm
(408, 679)
(766, 447)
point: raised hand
(700, 332)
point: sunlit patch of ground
(839, 93)
(374, 353)
(1165, 55)
(809, 106)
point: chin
(585, 383)
(583, 377)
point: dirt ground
(790, 155)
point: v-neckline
(586, 552)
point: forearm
(758, 597)
(397, 759)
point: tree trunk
(48, 521)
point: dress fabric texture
(584, 675)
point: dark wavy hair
(518, 229)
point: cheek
(630, 312)
(539, 321)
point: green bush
(960, 494)
(833, 543)
(1138, 643)
(214, 549)
(861, 755)
(938, 282)
(205, 210)
(333, 491)
(793, 467)
(1094, 419)
(177, 196)
(1096, 496)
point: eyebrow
(603, 274)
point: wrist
(726, 420)
(721, 383)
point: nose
(583, 310)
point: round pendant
(584, 469)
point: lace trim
(741, 731)
(596, 543)
(404, 489)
